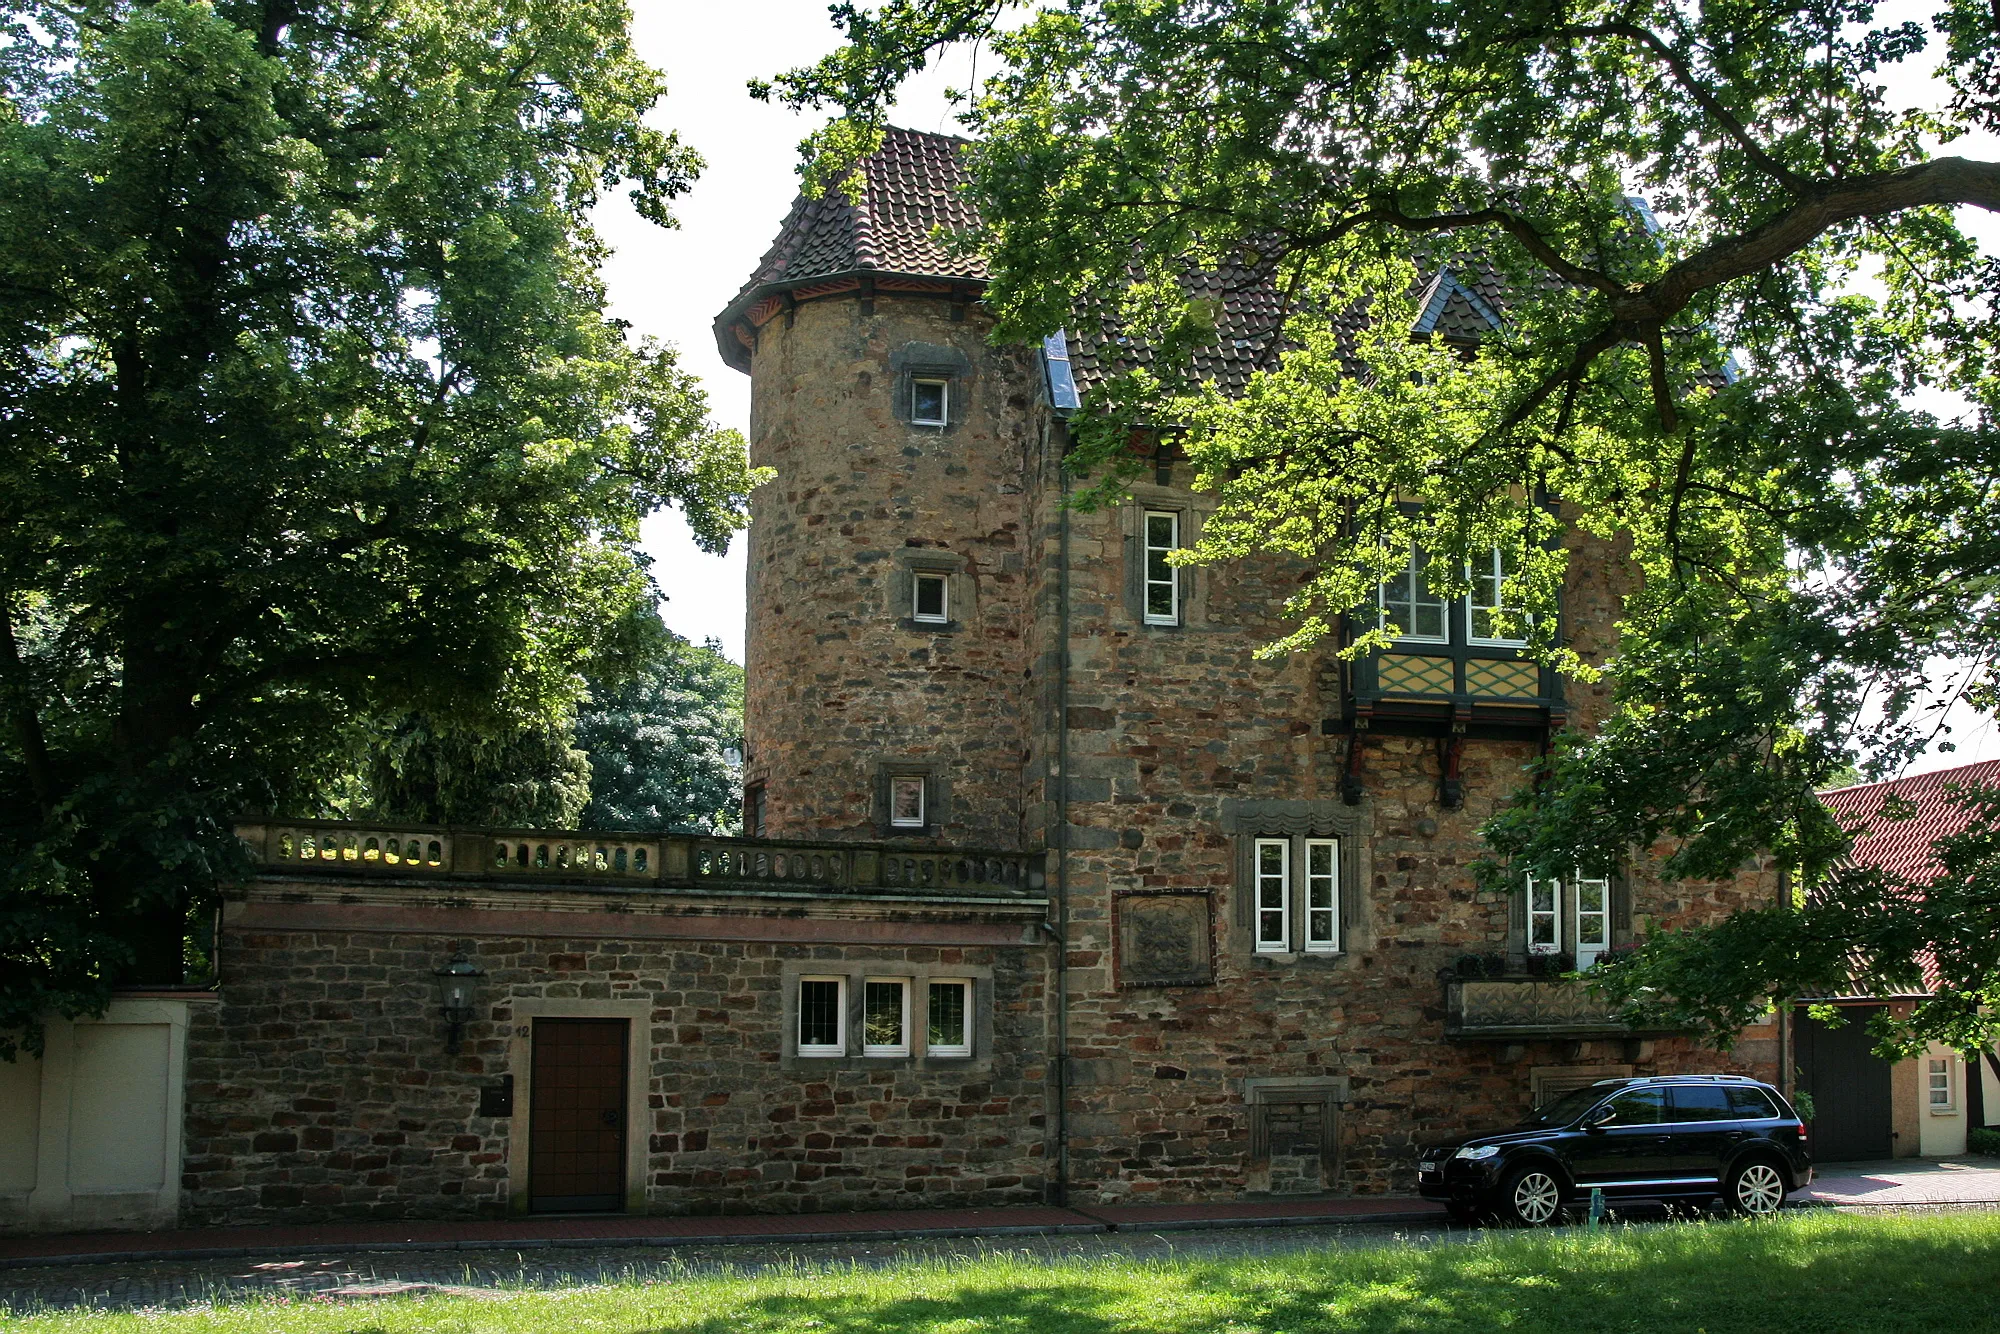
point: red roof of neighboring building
(1902, 847)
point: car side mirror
(1598, 1118)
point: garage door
(1849, 1085)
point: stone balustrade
(1526, 1007)
(663, 861)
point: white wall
(90, 1134)
(1942, 1132)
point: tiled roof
(1902, 847)
(911, 189)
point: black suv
(1666, 1137)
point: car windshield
(1566, 1108)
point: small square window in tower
(906, 801)
(930, 402)
(1163, 582)
(931, 600)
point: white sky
(671, 284)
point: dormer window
(1488, 610)
(931, 600)
(930, 402)
(1409, 607)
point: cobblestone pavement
(168, 1284)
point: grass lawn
(1936, 1273)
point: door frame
(638, 1083)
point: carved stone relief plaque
(1164, 940)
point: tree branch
(1699, 90)
(1509, 222)
(26, 719)
(1825, 204)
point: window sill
(930, 627)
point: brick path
(1907, 1182)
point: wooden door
(576, 1135)
(1849, 1085)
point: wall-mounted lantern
(456, 982)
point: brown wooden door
(576, 1136)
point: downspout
(1063, 400)
(1061, 1071)
(1787, 1075)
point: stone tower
(889, 588)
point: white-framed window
(885, 1016)
(1487, 606)
(907, 801)
(1574, 915)
(1408, 604)
(1591, 904)
(1544, 916)
(1274, 895)
(930, 402)
(1939, 1085)
(1163, 581)
(948, 1030)
(930, 600)
(1323, 895)
(822, 1016)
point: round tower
(890, 599)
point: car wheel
(1756, 1189)
(1532, 1197)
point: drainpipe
(1061, 1065)
(1787, 1074)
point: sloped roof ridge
(1904, 845)
(1951, 775)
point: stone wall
(842, 683)
(1183, 746)
(320, 1088)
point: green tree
(1809, 540)
(312, 417)
(535, 778)
(664, 744)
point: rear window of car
(1702, 1102)
(1752, 1103)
